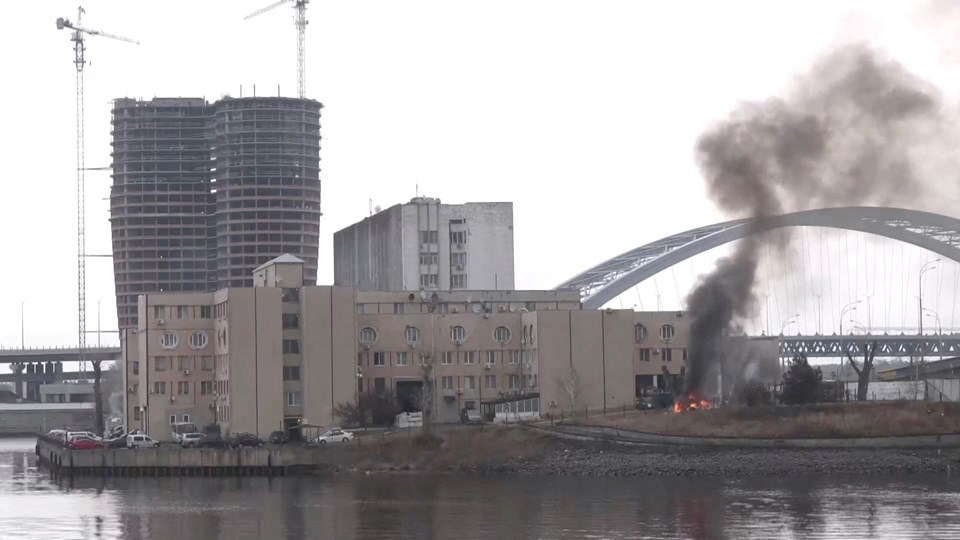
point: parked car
(83, 443)
(117, 432)
(82, 434)
(208, 442)
(58, 434)
(191, 440)
(116, 442)
(471, 416)
(333, 435)
(645, 403)
(141, 441)
(245, 439)
(279, 437)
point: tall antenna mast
(300, 22)
(79, 47)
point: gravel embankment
(598, 459)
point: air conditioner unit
(186, 372)
(173, 398)
(454, 310)
(503, 309)
(151, 391)
(130, 389)
(460, 391)
(486, 315)
(460, 267)
(656, 351)
(488, 366)
(553, 403)
(160, 321)
(212, 406)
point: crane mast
(79, 48)
(300, 22)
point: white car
(71, 435)
(141, 441)
(333, 435)
(188, 440)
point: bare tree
(426, 398)
(98, 395)
(572, 384)
(863, 373)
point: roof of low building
(286, 258)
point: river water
(465, 506)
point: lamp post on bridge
(936, 317)
(923, 269)
(852, 306)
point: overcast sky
(583, 113)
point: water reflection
(455, 506)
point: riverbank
(525, 451)
(830, 420)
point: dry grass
(454, 449)
(873, 419)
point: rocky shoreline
(597, 459)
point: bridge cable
(676, 288)
(807, 271)
(655, 284)
(829, 275)
(639, 299)
(953, 293)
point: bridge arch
(607, 280)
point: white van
(141, 441)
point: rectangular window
(428, 237)
(136, 414)
(447, 357)
(183, 388)
(447, 382)
(470, 357)
(470, 382)
(514, 357)
(136, 388)
(206, 312)
(293, 399)
(458, 281)
(429, 280)
(458, 237)
(291, 373)
(160, 312)
(402, 358)
(666, 354)
(514, 382)
(207, 363)
(379, 359)
(458, 259)
(291, 346)
(290, 320)
(184, 363)
(644, 355)
(136, 368)
(490, 382)
(206, 388)
(290, 295)
(159, 387)
(173, 419)
(397, 308)
(185, 418)
(160, 363)
(429, 258)
(185, 313)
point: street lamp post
(852, 306)
(936, 317)
(98, 322)
(22, 340)
(788, 321)
(923, 269)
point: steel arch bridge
(604, 282)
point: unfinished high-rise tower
(204, 193)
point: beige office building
(280, 354)
(239, 357)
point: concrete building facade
(281, 354)
(204, 193)
(239, 358)
(427, 245)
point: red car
(84, 444)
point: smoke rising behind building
(852, 131)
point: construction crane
(300, 21)
(79, 48)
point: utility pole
(923, 269)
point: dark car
(116, 442)
(279, 437)
(208, 442)
(246, 439)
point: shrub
(754, 394)
(801, 382)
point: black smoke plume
(849, 133)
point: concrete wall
(329, 373)
(22, 418)
(368, 254)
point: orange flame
(690, 403)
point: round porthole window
(198, 340)
(368, 336)
(169, 340)
(667, 333)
